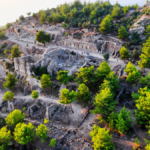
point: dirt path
(124, 142)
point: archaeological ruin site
(80, 83)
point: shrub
(34, 94)
(5, 138)
(41, 132)
(24, 133)
(101, 138)
(52, 142)
(83, 94)
(67, 96)
(15, 117)
(8, 96)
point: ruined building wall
(78, 45)
(23, 64)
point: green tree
(64, 25)
(112, 120)
(41, 37)
(125, 9)
(142, 102)
(8, 96)
(145, 56)
(45, 81)
(133, 73)
(34, 94)
(124, 121)
(133, 76)
(42, 16)
(34, 15)
(2, 34)
(106, 56)
(21, 18)
(15, 52)
(124, 53)
(65, 8)
(24, 133)
(104, 102)
(122, 33)
(147, 147)
(7, 51)
(146, 80)
(148, 31)
(29, 13)
(62, 77)
(5, 138)
(129, 68)
(103, 70)
(114, 81)
(66, 33)
(83, 93)
(106, 24)
(8, 25)
(85, 75)
(41, 132)
(52, 142)
(67, 96)
(116, 12)
(14, 118)
(135, 39)
(73, 13)
(101, 138)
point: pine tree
(101, 138)
(122, 33)
(10, 81)
(106, 24)
(124, 121)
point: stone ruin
(34, 50)
(60, 59)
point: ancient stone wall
(78, 45)
(24, 63)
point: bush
(41, 132)
(106, 24)
(8, 96)
(124, 53)
(106, 56)
(67, 96)
(34, 94)
(24, 133)
(83, 94)
(45, 81)
(52, 142)
(62, 77)
(5, 138)
(101, 138)
(142, 103)
(15, 117)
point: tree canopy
(24, 133)
(34, 94)
(106, 24)
(122, 33)
(83, 94)
(42, 37)
(15, 117)
(45, 81)
(67, 96)
(101, 138)
(8, 96)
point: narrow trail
(124, 142)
